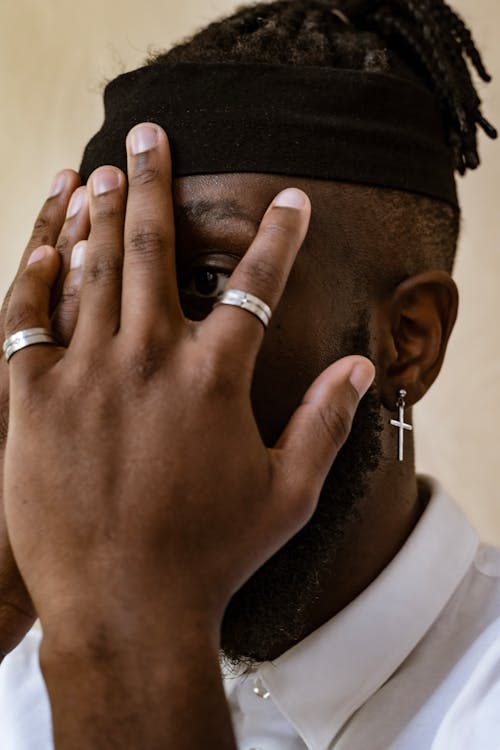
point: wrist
(125, 642)
(130, 682)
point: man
(376, 625)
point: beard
(272, 607)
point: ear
(415, 325)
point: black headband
(343, 125)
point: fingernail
(105, 180)
(57, 185)
(78, 254)
(75, 203)
(39, 254)
(362, 376)
(142, 138)
(291, 198)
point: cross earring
(400, 423)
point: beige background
(54, 57)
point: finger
(317, 430)
(149, 281)
(263, 271)
(100, 291)
(76, 227)
(66, 314)
(49, 221)
(29, 308)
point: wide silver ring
(28, 337)
(248, 302)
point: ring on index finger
(249, 302)
(28, 337)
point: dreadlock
(416, 39)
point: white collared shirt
(413, 663)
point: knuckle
(63, 324)
(64, 244)
(262, 275)
(104, 211)
(144, 173)
(82, 378)
(70, 296)
(274, 232)
(283, 234)
(144, 362)
(20, 317)
(41, 229)
(337, 421)
(42, 222)
(149, 240)
(103, 269)
(217, 375)
(87, 375)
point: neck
(391, 509)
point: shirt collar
(319, 683)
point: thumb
(320, 426)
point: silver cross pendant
(400, 423)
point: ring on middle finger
(246, 301)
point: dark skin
(411, 328)
(409, 352)
(16, 609)
(389, 517)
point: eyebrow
(211, 212)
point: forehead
(241, 195)
(255, 185)
(241, 199)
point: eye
(206, 283)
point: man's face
(324, 314)
(217, 218)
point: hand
(16, 609)
(138, 492)
(137, 483)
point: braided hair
(422, 38)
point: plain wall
(54, 58)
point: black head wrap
(318, 122)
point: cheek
(301, 342)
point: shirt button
(260, 689)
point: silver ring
(248, 302)
(28, 337)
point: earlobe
(417, 323)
